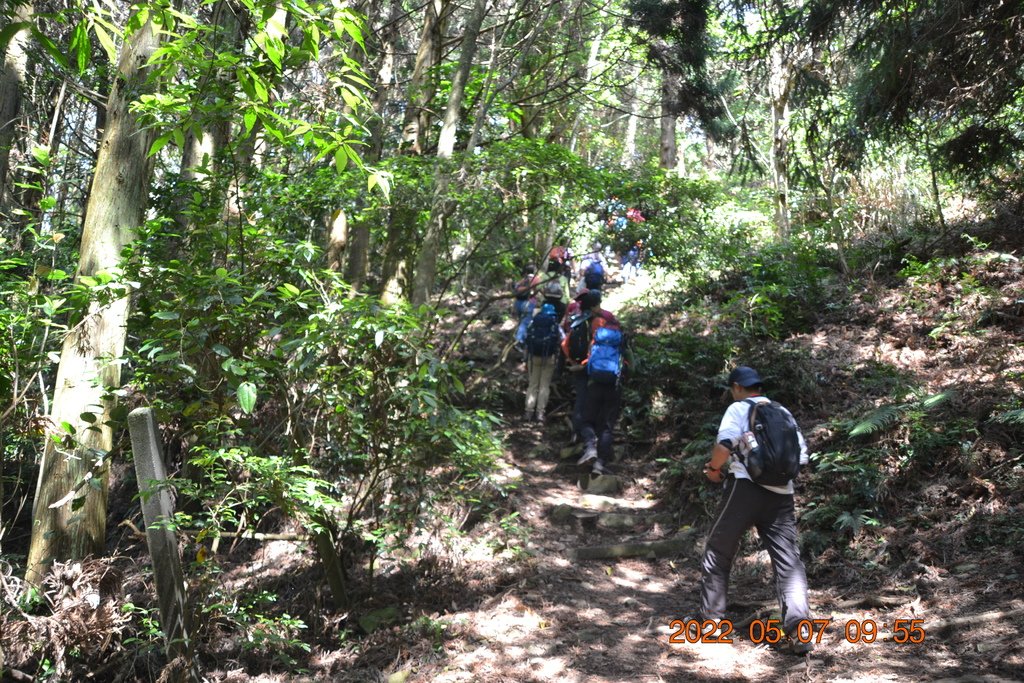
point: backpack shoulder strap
(752, 412)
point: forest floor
(560, 618)
(513, 600)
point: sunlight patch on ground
(509, 632)
(725, 660)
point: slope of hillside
(907, 378)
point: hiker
(555, 289)
(616, 219)
(543, 339)
(605, 366)
(631, 262)
(562, 256)
(523, 304)
(768, 507)
(583, 317)
(592, 269)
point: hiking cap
(745, 376)
(580, 294)
(590, 299)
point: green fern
(885, 416)
(1010, 417)
(879, 419)
(930, 402)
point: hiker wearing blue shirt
(523, 304)
(631, 263)
(768, 508)
(592, 269)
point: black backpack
(775, 459)
(542, 336)
(578, 341)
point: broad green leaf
(260, 88)
(378, 338)
(247, 396)
(381, 179)
(106, 41)
(249, 119)
(936, 399)
(80, 46)
(159, 144)
(41, 155)
(273, 52)
(166, 315)
(51, 47)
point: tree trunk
(12, 82)
(780, 166)
(783, 63)
(423, 85)
(357, 261)
(70, 507)
(669, 107)
(337, 239)
(200, 158)
(426, 265)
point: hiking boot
(589, 455)
(599, 468)
(540, 416)
(712, 630)
(797, 647)
(527, 416)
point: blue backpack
(593, 277)
(542, 338)
(605, 364)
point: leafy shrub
(289, 392)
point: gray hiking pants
(744, 505)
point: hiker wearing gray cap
(758, 453)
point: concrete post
(158, 512)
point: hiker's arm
(714, 469)
(630, 357)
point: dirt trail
(598, 620)
(608, 620)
